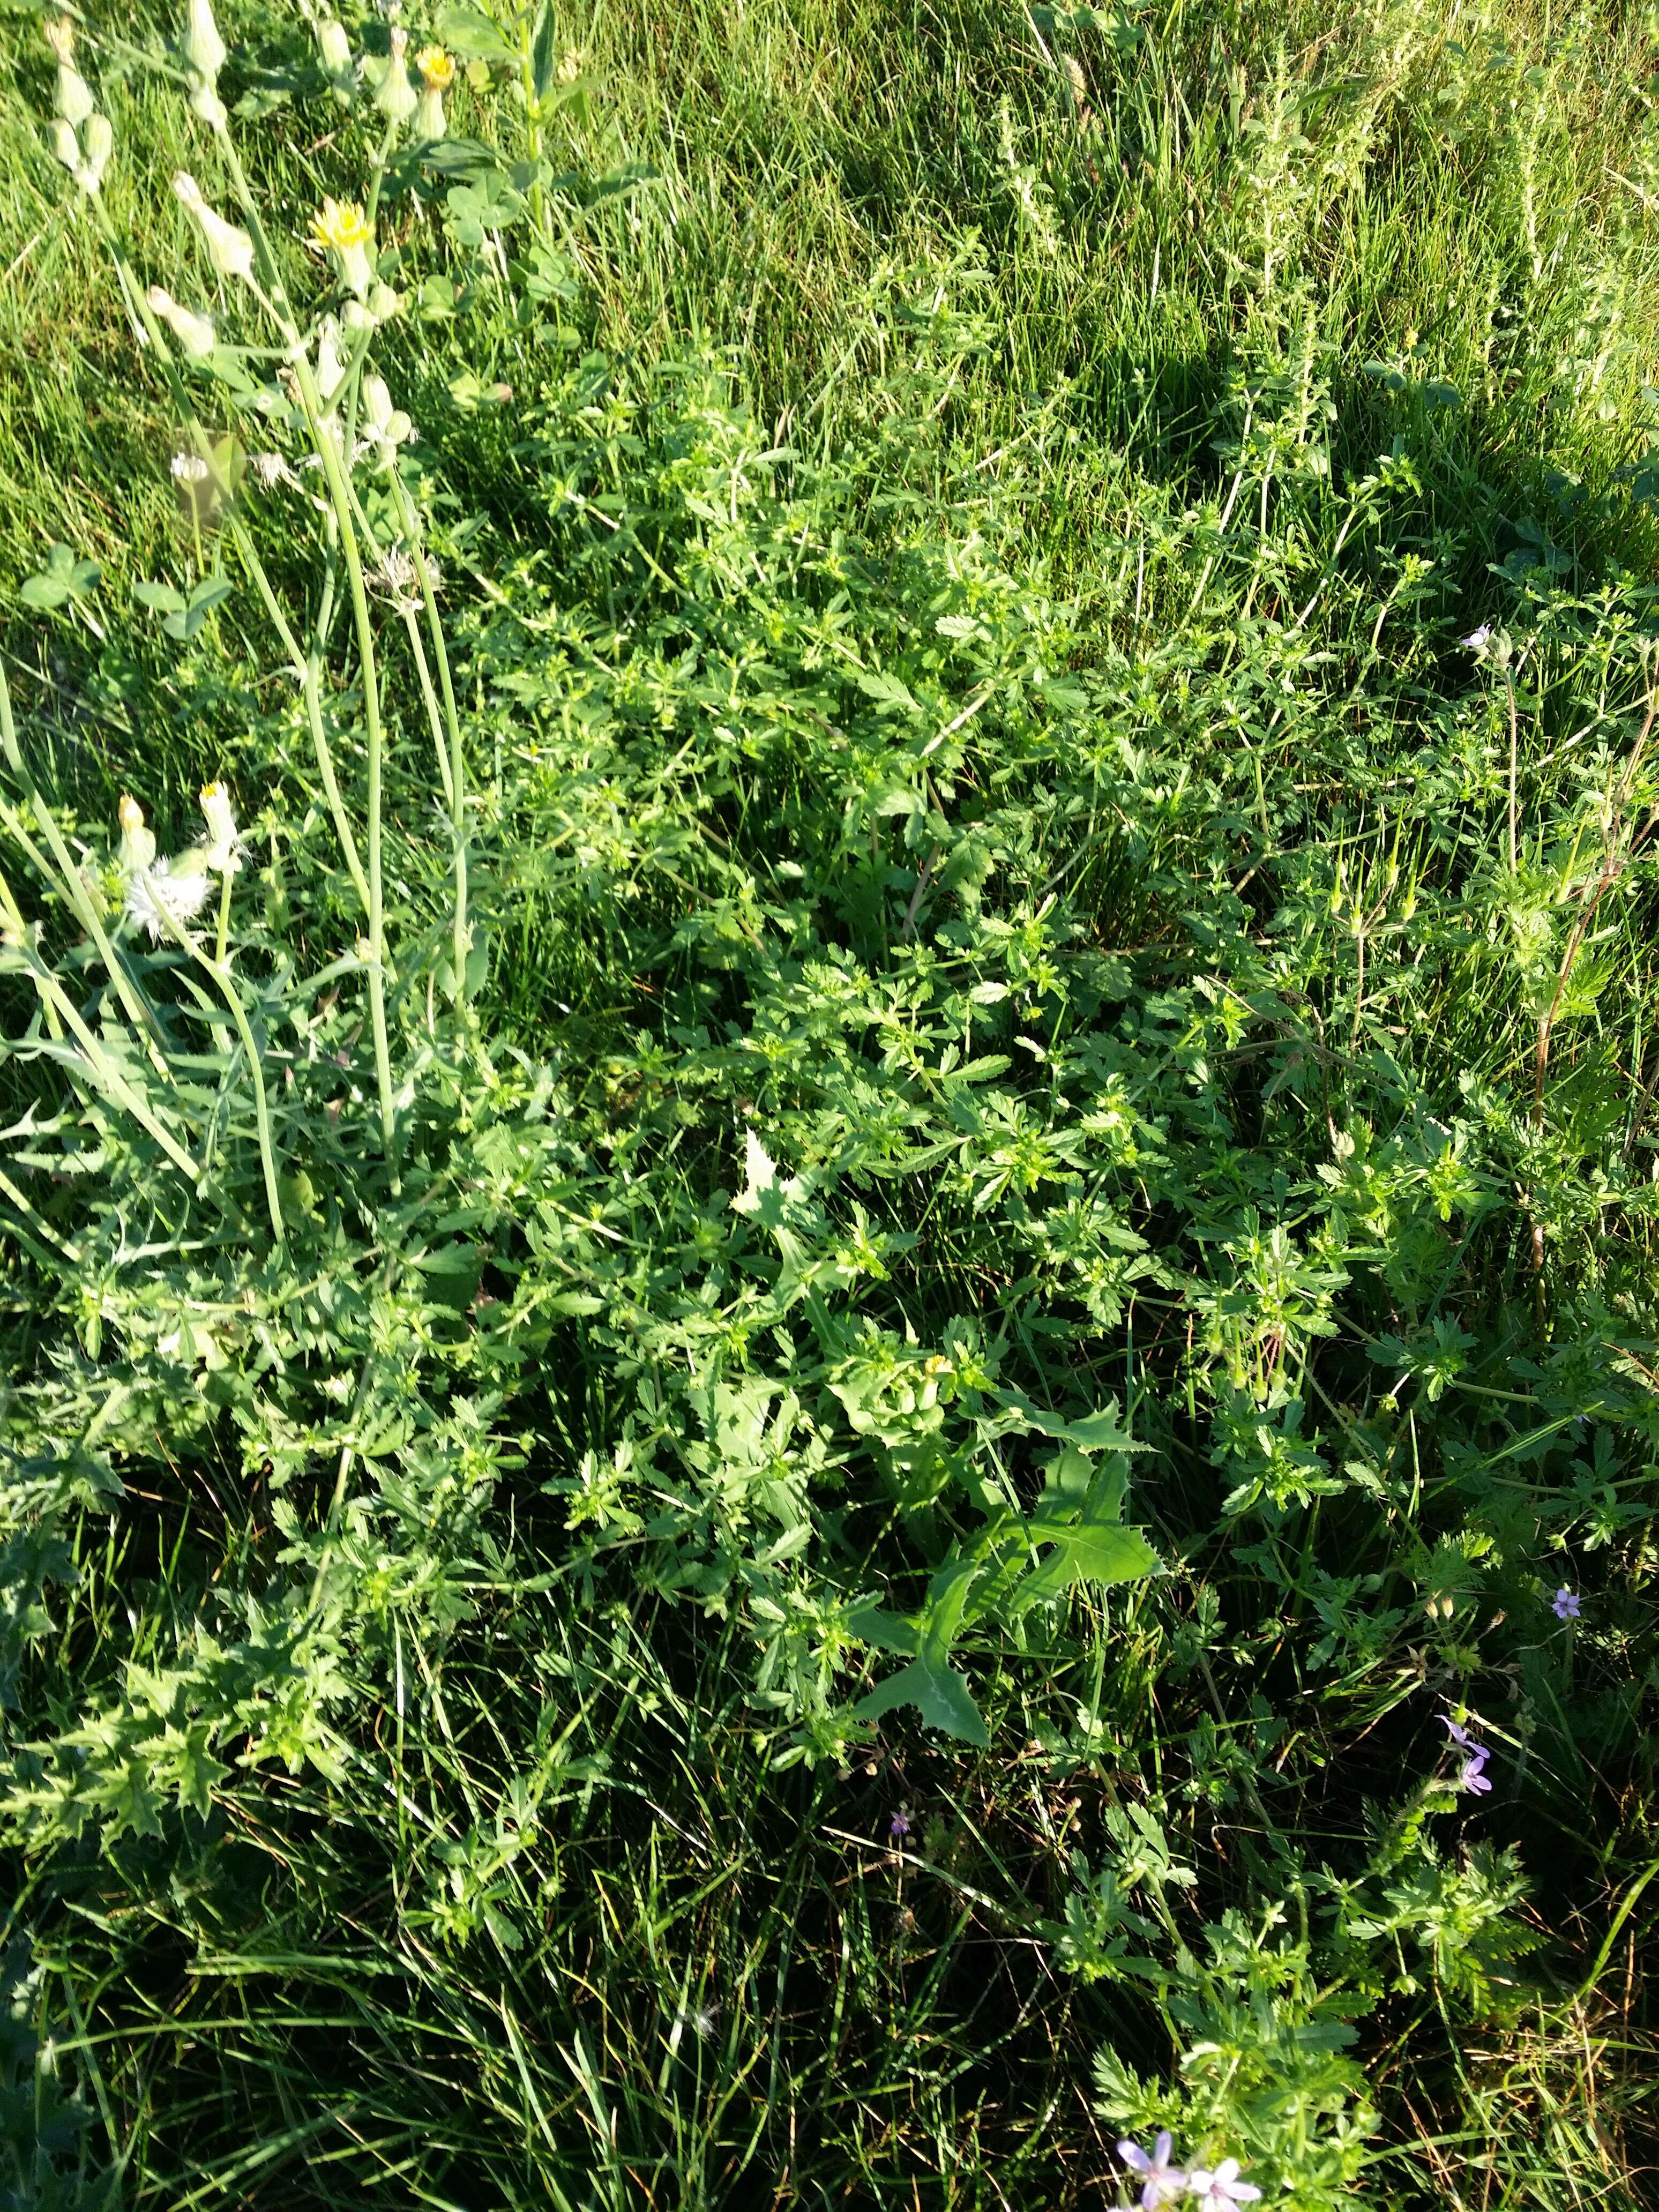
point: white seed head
(189, 469)
(162, 899)
(271, 470)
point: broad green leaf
(939, 1695)
(64, 577)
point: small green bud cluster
(80, 137)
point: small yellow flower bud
(221, 828)
(137, 843)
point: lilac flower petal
(1473, 1778)
(1131, 2154)
(1163, 2147)
(1459, 1735)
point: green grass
(1014, 928)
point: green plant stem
(455, 778)
(140, 1012)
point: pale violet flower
(1478, 640)
(1565, 1604)
(162, 899)
(1160, 2179)
(1473, 1776)
(1222, 2189)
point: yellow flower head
(437, 68)
(342, 225)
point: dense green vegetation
(830, 1339)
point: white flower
(229, 248)
(189, 469)
(223, 838)
(162, 900)
(194, 333)
(1219, 2192)
(205, 50)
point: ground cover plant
(828, 1148)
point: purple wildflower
(1473, 1776)
(899, 1826)
(1478, 640)
(1565, 1604)
(1459, 1736)
(1221, 2189)
(1162, 2179)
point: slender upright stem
(1514, 749)
(455, 779)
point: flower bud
(385, 425)
(66, 144)
(205, 50)
(223, 839)
(137, 843)
(331, 369)
(97, 144)
(229, 249)
(195, 333)
(207, 104)
(394, 95)
(334, 46)
(74, 99)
